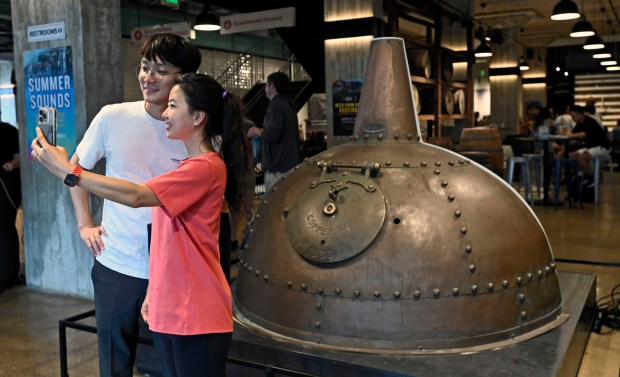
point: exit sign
(171, 3)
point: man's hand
(91, 235)
(254, 131)
(145, 310)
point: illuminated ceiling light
(483, 51)
(565, 73)
(207, 21)
(565, 10)
(582, 29)
(523, 66)
(594, 43)
(557, 69)
(613, 68)
(602, 55)
(609, 62)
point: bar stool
(570, 166)
(599, 164)
(524, 175)
(536, 159)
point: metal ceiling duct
(391, 245)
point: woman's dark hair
(225, 119)
(172, 49)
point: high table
(560, 139)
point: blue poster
(48, 82)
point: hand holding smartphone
(47, 122)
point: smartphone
(48, 123)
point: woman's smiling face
(180, 121)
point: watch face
(71, 180)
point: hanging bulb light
(565, 10)
(523, 66)
(594, 43)
(483, 50)
(582, 29)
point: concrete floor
(583, 240)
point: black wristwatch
(72, 178)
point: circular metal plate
(323, 230)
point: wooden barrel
(419, 62)
(487, 140)
(416, 98)
(460, 102)
(447, 102)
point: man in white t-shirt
(132, 138)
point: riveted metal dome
(390, 245)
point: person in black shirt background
(596, 142)
(10, 198)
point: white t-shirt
(136, 148)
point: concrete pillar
(56, 258)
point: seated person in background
(564, 122)
(526, 127)
(594, 138)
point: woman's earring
(195, 124)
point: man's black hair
(280, 81)
(172, 50)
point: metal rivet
(251, 230)
(519, 280)
(451, 197)
(388, 163)
(444, 184)
(420, 348)
(436, 292)
(490, 287)
(455, 291)
(468, 248)
(317, 324)
(338, 291)
(474, 289)
(371, 187)
(523, 314)
(547, 269)
(377, 294)
(380, 136)
(313, 183)
(289, 284)
(304, 286)
(521, 297)
(417, 294)
(461, 162)
(257, 272)
(463, 230)
(338, 184)
(406, 163)
(552, 265)
(451, 163)
(409, 136)
(437, 163)
(245, 265)
(250, 268)
(397, 294)
(266, 277)
(423, 163)
(354, 162)
(529, 276)
(457, 213)
(505, 283)
(356, 137)
(264, 202)
(356, 293)
(472, 267)
(540, 273)
(437, 172)
(318, 306)
(396, 136)
(366, 136)
(319, 291)
(257, 215)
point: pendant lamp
(483, 50)
(594, 43)
(207, 21)
(582, 29)
(565, 10)
(523, 66)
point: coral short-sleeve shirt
(188, 292)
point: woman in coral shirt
(188, 305)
